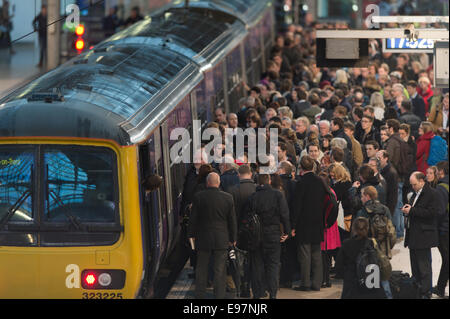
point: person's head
(425, 127)
(372, 147)
(232, 120)
(134, 12)
(307, 163)
(285, 168)
(374, 164)
(301, 125)
(404, 131)
(397, 90)
(349, 128)
(445, 104)
(204, 171)
(337, 124)
(442, 168)
(432, 175)
(152, 182)
(200, 158)
(244, 172)
(366, 173)
(383, 158)
(360, 228)
(357, 113)
(313, 151)
(324, 127)
(286, 122)
(340, 111)
(227, 163)
(384, 133)
(424, 83)
(369, 193)
(417, 181)
(393, 126)
(337, 155)
(254, 121)
(44, 10)
(264, 179)
(367, 122)
(376, 100)
(270, 113)
(282, 151)
(213, 180)
(338, 173)
(219, 115)
(406, 106)
(411, 87)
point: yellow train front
(77, 144)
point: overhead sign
(441, 68)
(402, 45)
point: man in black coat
(270, 204)
(418, 104)
(421, 231)
(308, 225)
(337, 129)
(213, 227)
(391, 177)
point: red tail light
(103, 279)
(90, 279)
(79, 30)
(79, 45)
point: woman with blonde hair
(341, 77)
(377, 102)
(341, 182)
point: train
(78, 144)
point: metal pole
(53, 34)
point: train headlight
(104, 279)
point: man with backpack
(241, 193)
(442, 189)
(268, 210)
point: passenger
(213, 228)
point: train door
(152, 228)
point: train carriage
(77, 143)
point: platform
(184, 286)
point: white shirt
(444, 118)
(417, 196)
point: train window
(80, 189)
(16, 194)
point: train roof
(125, 86)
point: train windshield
(54, 195)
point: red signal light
(90, 279)
(79, 45)
(79, 30)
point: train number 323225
(102, 295)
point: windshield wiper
(12, 210)
(73, 220)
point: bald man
(213, 227)
(421, 231)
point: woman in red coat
(423, 146)
(426, 92)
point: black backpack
(250, 231)
(403, 286)
(367, 256)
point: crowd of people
(375, 138)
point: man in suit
(308, 225)
(213, 227)
(421, 231)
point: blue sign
(404, 44)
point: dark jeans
(443, 249)
(265, 268)
(421, 269)
(201, 273)
(310, 259)
(326, 265)
(42, 50)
